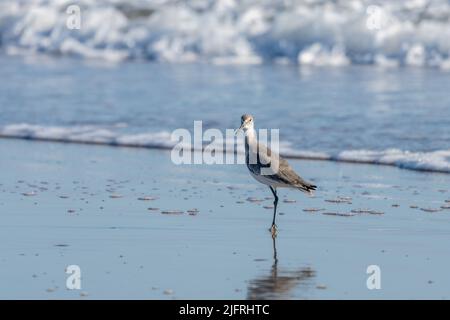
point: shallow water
(79, 205)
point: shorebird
(259, 158)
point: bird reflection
(280, 283)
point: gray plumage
(284, 177)
(268, 167)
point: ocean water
(354, 113)
(359, 81)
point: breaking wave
(435, 161)
(313, 32)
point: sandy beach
(141, 227)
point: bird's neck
(251, 134)
(250, 139)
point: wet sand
(140, 227)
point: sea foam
(435, 161)
(313, 32)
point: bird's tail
(307, 187)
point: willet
(259, 158)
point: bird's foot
(273, 230)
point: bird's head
(246, 123)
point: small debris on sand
(369, 211)
(340, 214)
(192, 212)
(71, 211)
(115, 196)
(29, 194)
(153, 209)
(252, 199)
(172, 212)
(289, 201)
(147, 198)
(395, 205)
(413, 207)
(431, 209)
(168, 291)
(268, 207)
(346, 200)
(83, 294)
(313, 209)
(321, 286)
(63, 197)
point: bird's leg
(273, 228)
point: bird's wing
(285, 174)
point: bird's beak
(238, 129)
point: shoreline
(166, 148)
